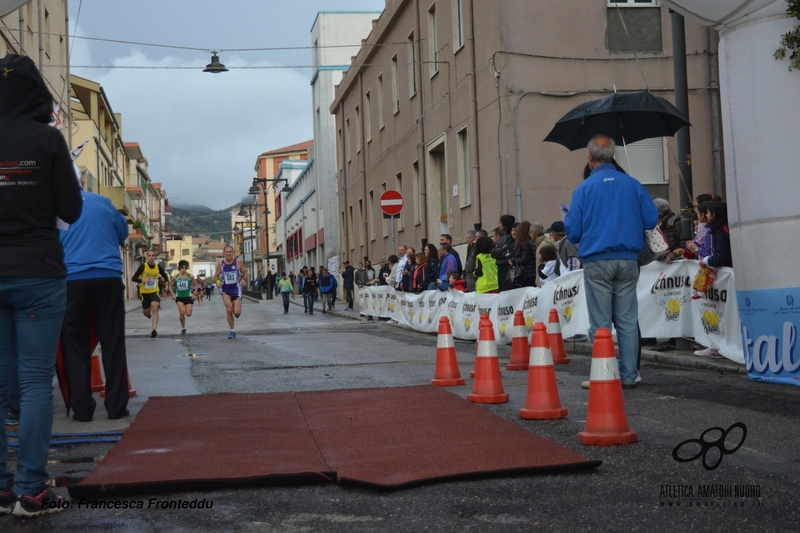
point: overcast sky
(201, 132)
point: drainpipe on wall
(518, 192)
(68, 84)
(363, 158)
(683, 136)
(40, 7)
(716, 134)
(475, 170)
(421, 160)
(21, 31)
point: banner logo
(710, 321)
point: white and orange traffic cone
(519, 344)
(542, 401)
(606, 421)
(556, 339)
(447, 373)
(488, 387)
(484, 316)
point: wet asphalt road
(628, 492)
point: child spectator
(720, 237)
(455, 281)
(550, 268)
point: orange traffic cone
(97, 376)
(488, 388)
(447, 373)
(606, 421)
(556, 340)
(131, 390)
(542, 401)
(519, 344)
(484, 316)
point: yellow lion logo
(529, 322)
(503, 327)
(568, 315)
(467, 323)
(430, 318)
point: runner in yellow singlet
(147, 277)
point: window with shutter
(645, 160)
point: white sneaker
(705, 351)
(638, 377)
(392, 321)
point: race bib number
(229, 278)
(150, 283)
(183, 284)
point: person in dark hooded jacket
(503, 251)
(38, 185)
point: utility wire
(220, 50)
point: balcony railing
(120, 199)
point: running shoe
(232, 335)
(153, 334)
(7, 501)
(704, 351)
(183, 331)
(44, 502)
(716, 355)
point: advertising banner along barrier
(666, 309)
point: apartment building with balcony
(39, 30)
(448, 101)
(267, 167)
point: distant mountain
(201, 221)
(192, 207)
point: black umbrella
(625, 117)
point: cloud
(201, 132)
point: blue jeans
(31, 312)
(285, 296)
(309, 298)
(611, 298)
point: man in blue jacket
(607, 217)
(327, 287)
(95, 295)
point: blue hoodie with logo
(608, 215)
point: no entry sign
(391, 202)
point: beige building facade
(39, 30)
(267, 168)
(454, 115)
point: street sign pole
(391, 203)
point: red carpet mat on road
(386, 438)
(405, 436)
(182, 443)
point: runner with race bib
(147, 277)
(182, 284)
(231, 275)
